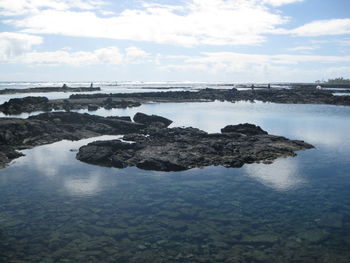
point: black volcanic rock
(49, 89)
(177, 149)
(50, 127)
(246, 128)
(151, 119)
(299, 94)
(27, 104)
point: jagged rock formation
(296, 95)
(176, 149)
(51, 127)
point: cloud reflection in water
(281, 175)
(88, 185)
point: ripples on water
(54, 208)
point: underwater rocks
(177, 149)
(47, 128)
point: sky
(184, 40)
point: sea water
(54, 208)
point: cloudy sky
(183, 40)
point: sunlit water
(54, 208)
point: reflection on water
(283, 174)
(54, 208)
(87, 185)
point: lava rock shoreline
(49, 89)
(176, 149)
(17, 134)
(296, 95)
(153, 145)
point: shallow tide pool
(54, 208)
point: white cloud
(259, 67)
(109, 55)
(231, 60)
(281, 2)
(344, 42)
(135, 55)
(100, 56)
(16, 44)
(324, 27)
(25, 7)
(208, 22)
(303, 48)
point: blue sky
(186, 40)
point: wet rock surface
(47, 128)
(177, 149)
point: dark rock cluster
(32, 104)
(296, 95)
(153, 146)
(27, 104)
(65, 88)
(176, 149)
(46, 128)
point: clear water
(54, 208)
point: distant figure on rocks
(318, 87)
(269, 86)
(252, 87)
(91, 85)
(64, 86)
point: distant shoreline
(49, 89)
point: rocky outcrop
(151, 119)
(46, 128)
(246, 128)
(296, 95)
(27, 104)
(49, 89)
(176, 149)
(31, 104)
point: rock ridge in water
(45, 128)
(295, 95)
(50, 89)
(178, 149)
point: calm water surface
(54, 208)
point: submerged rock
(263, 239)
(177, 149)
(332, 220)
